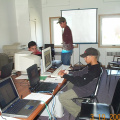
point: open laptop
(36, 84)
(10, 103)
(6, 70)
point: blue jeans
(66, 58)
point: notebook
(36, 84)
(6, 70)
(10, 103)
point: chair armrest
(87, 98)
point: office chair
(115, 63)
(4, 59)
(52, 50)
(90, 106)
(116, 56)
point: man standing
(67, 42)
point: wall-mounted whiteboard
(83, 24)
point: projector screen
(83, 24)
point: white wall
(15, 18)
(8, 28)
(52, 8)
(23, 25)
(27, 12)
(35, 14)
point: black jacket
(80, 80)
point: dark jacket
(81, 80)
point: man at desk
(32, 46)
(78, 81)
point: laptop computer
(10, 103)
(6, 70)
(36, 84)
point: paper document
(8, 118)
(54, 80)
(38, 96)
(22, 77)
(65, 67)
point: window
(109, 30)
(56, 32)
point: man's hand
(61, 73)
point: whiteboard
(83, 24)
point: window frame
(51, 31)
(100, 30)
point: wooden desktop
(22, 86)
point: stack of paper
(38, 96)
(54, 80)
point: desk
(23, 90)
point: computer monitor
(24, 59)
(46, 60)
(52, 49)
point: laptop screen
(7, 92)
(33, 75)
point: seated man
(32, 46)
(76, 87)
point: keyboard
(62, 67)
(17, 106)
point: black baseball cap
(61, 19)
(90, 51)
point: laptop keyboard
(46, 86)
(43, 85)
(16, 107)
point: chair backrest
(4, 59)
(116, 99)
(107, 87)
(98, 83)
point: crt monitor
(24, 59)
(46, 59)
(52, 49)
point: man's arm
(77, 80)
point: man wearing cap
(80, 85)
(67, 42)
